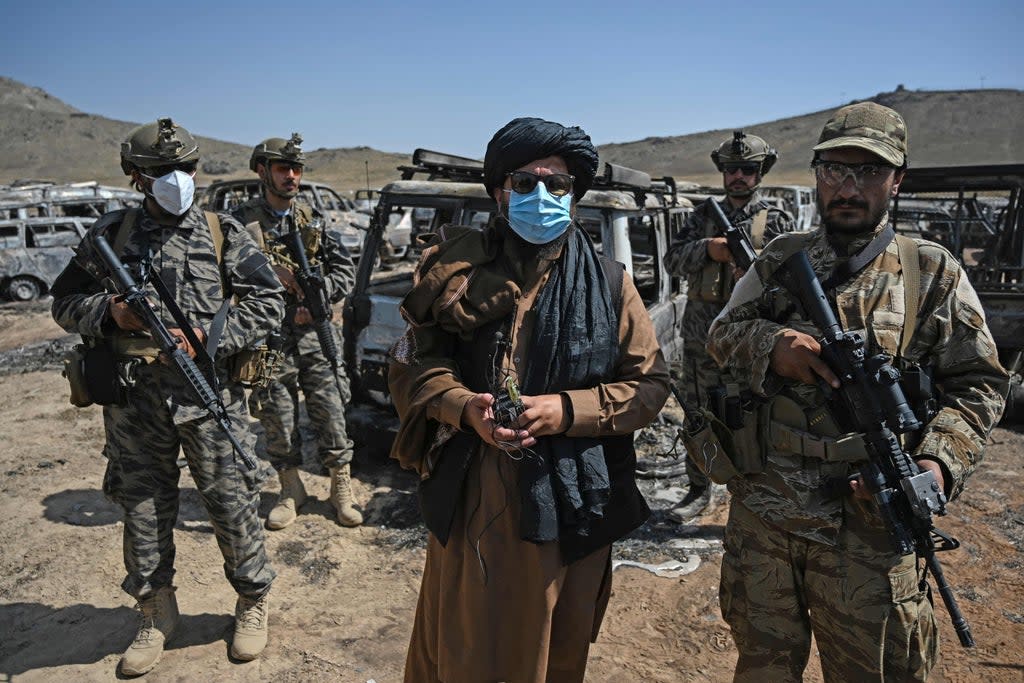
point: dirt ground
(342, 606)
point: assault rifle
(873, 402)
(314, 291)
(180, 360)
(739, 244)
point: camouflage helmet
(158, 144)
(278, 149)
(742, 147)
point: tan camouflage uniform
(304, 367)
(797, 560)
(709, 285)
(143, 437)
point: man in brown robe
(522, 498)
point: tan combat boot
(250, 628)
(342, 498)
(159, 617)
(293, 496)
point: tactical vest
(816, 432)
(714, 282)
(130, 346)
(258, 223)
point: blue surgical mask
(539, 217)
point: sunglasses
(835, 173)
(161, 171)
(558, 184)
(745, 169)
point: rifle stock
(136, 299)
(906, 495)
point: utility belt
(743, 427)
(104, 371)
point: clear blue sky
(446, 75)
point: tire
(23, 289)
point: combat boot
(342, 498)
(250, 628)
(159, 618)
(293, 496)
(696, 501)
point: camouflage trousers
(277, 408)
(700, 372)
(870, 617)
(142, 475)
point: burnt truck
(629, 215)
(977, 212)
(45, 199)
(339, 212)
(40, 224)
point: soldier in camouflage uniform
(804, 550)
(170, 238)
(279, 164)
(701, 255)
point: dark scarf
(575, 345)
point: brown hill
(945, 127)
(46, 138)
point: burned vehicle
(799, 201)
(46, 199)
(977, 212)
(34, 251)
(629, 215)
(339, 212)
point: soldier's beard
(851, 227)
(740, 193)
(290, 194)
(273, 189)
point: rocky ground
(344, 599)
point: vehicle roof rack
(438, 165)
(616, 177)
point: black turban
(524, 140)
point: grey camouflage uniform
(688, 258)
(304, 367)
(798, 560)
(143, 437)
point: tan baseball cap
(869, 126)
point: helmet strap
(267, 178)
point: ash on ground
(394, 511)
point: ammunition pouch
(709, 445)
(711, 284)
(97, 373)
(735, 426)
(255, 368)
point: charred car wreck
(629, 215)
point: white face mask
(174, 192)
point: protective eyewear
(835, 173)
(161, 171)
(290, 166)
(745, 169)
(558, 184)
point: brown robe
(493, 607)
